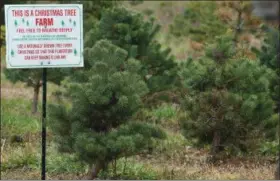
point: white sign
(41, 36)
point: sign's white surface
(44, 36)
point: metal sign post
(44, 113)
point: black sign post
(44, 111)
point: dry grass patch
(30, 174)
(181, 170)
(191, 164)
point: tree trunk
(35, 98)
(277, 172)
(215, 145)
(99, 166)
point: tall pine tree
(229, 103)
(98, 127)
(131, 32)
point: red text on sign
(44, 21)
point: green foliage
(269, 148)
(129, 31)
(198, 22)
(229, 98)
(221, 50)
(268, 57)
(98, 127)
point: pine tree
(98, 127)
(244, 26)
(131, 32)
(229, 103)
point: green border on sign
(48, 66)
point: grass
(16, 119)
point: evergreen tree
(98, 127)
(131, 32)
(229, 101)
